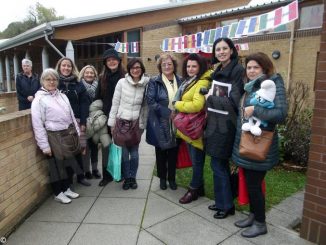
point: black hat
(110, 53)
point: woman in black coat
(222, 102)
(159, 133)
(259, 68)
(112, 72)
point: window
(311, 16)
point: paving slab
(159, 209)
(292, 206)
(88, 191)
(41, 233)
(123, 211)
(299, 195)
(236, 240)
(175, 195)
(188, 228)
(54, 211)
(155, 184)
(115, 190)
(146, 238)
(280, 218)
(103, 234)
(227, 224)
(145, 172)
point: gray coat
(272, 117)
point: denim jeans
(197, 157)
(130, 161)
(222, 186)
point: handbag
(65, 143)
(114, 161)
(254, 147)
(183, 159)
(243, 198)
(126, 133)
(190, 124)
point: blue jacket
(159, 131)
(272, 116)
(78, 98)
(26, 86)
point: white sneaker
(69, 193)
(62, 198)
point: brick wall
(23, 170)
(9, 102)
(313, 226)
(153, 37)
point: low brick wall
(9, 102)
(23, 170)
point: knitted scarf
(91, 88)
(171, 88)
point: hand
(48, 152)
(172, 115)
(248, 111)
(30, 98)
(82, 128)
(210, 92)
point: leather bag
(126, 133)
(65, 143)
(255, 147)
(190, 124)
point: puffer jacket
(159, 131)
(128, 101)
(96, 127)
(220, 128)
(193, 101)
(272, 116)
(50, 111)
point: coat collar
(226, 72)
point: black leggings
(256, 197)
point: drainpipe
(52, 45)
(290, 57)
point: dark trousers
(78, 168)
(105, 158)
(166, 161)
(254, 180)
(58, 175)
(222, 185)
(91, 157)
(197, 157)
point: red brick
(319, 130)
(314, 215)
(316, 182)
(317, 139)
(318, 148)
(313, 173)
(322, 237)
(322, 56)
(320, 112)
(321, 75)
(304, 227)
(321, 66)
(315, 199)
(313, 231)
(320, 95)
(320, 84)
(309, 205)
(313, 156)
(311, 189)
(320, 104)
(322, 176)
(322, 193)
(321, 209)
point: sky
(17, 10)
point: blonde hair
(82, 71)
(49, 72)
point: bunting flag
(134, 47)
(206, 49)
(242, 46)
(124, 48)
(117, 46)
(204, 40)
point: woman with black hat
(111, 73)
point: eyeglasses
(50, 80)
(166, 64)
(135, 68)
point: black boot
(163, 184)
(96, 174)
(173, 185)
(201, 191)
(126, 184)
(222, 214)
(256, 229)
(245, 222)
(133, 183)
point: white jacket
(128, 101)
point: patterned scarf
(171, 88)
(90, 87)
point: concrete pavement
(146, 216)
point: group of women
(155, 101)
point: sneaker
(69, 193)
(62, 198)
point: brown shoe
(191, 195)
